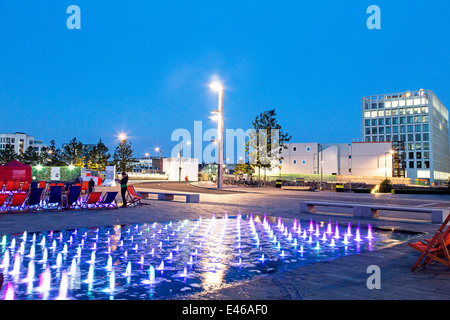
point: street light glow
(216, 86)
(122, 136)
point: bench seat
(190, 197)
(361, 210)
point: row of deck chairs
(11, 186)
(36, 200)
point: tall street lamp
(218, 115)
(158, 149)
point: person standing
(123, 188)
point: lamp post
(148, 167)
(218, 115)
(158, 149)
(179, 168)
(122, 138)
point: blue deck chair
(72, 199)
(109, 200)
(55, 199)
(34, 201)
(33, 185)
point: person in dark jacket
(91, 185)
(123, 188)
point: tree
(8, 154)
(243, 168)
(266, 140)
(52, 156)
(74, 153)
(30, 157)
(385, 186)
(97, 158)
(123, 156)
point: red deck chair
(16, 186)
(3, 197)
(25, 186)
(132, 197)
(84, 186)
(9, 187)
(434, 249)
(42, 184)
(92, 201)
(17, 203)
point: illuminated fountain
(161, 260)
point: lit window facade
(418, 119)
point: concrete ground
(343, 278)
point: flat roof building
(419, 121)
(20, 141)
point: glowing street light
(218, 115)
(158, 149)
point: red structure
(15, 170)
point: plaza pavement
(340, 279)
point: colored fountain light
(162, 260)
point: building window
(426, 154)
(426, 137)
(395, 120)
(381, 138)
(410, 120)
(374, 122)
(367, 122)
(381, 122)
(381, 130)
(294, 162)
(410, 155)
(374, 139)
(426, 164)
(367, 130)
(294, 149)
(410, 137)
(308, 149)
(418, 137)
(303, 162)
(374, 130)
(388, 130)
(388, 138)
(419, 165)
(411, 164)
(425, 127)
(367, 139)
(388, 121)
(418, 127)
(418, 155)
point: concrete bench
(372, 210)
(190, 197)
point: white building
(189, 169)
(357, 159)
(20, 141)
(417, 119)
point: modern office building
(20, 141)
(355, 159)
(418, 121)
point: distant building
(20, 141)
(356, 159)
(417, 119)
(189, 169)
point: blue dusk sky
(143, 67)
